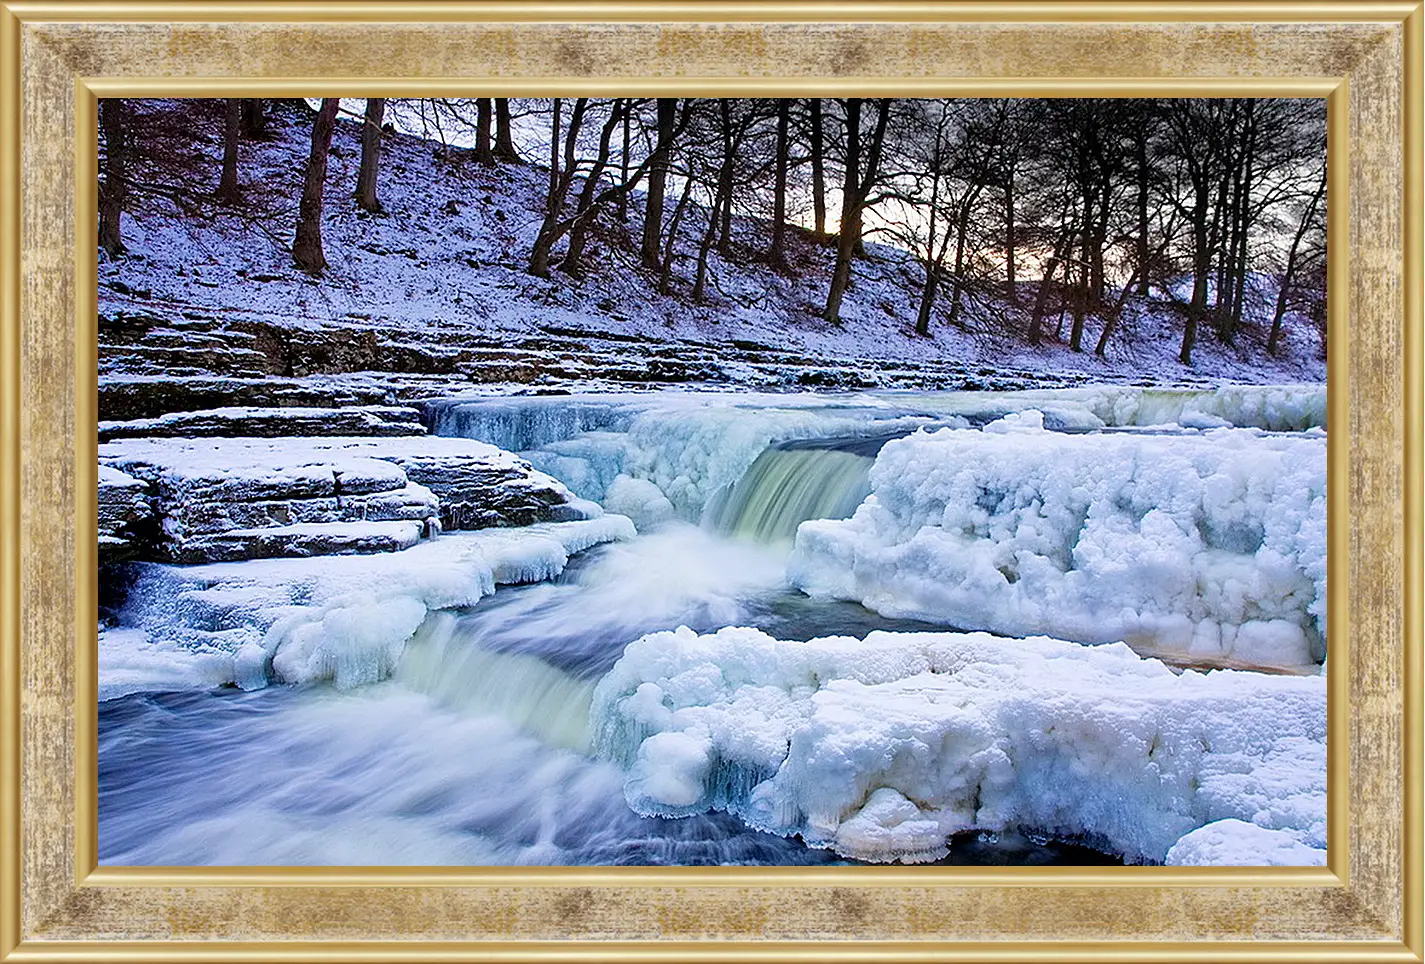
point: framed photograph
(537, 481)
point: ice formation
(690, 445)
(1277, 408)
(693, 446)
(881, 749)
(1201, 545)
(342, 618)
(1237, 843)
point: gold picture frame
(57, 905)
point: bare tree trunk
(665, 273)
(1097, 276)
(927, 298)
(307, 249)
(553, 202)
(484, 117)
(550, 204)
(1141, 147)
(1092, 252)
(961, 230)
(853, 200)
(818, 171)
(724, 230)
(1115, 313)
(1202, 268)
(850, 229)
(1274, 339)
(370, 154)
(779, 202)
(228, 184)
(1244, 220)
(115, 188)
(1010, 290)
(1041, 298)
(586, 211)
(504, 138)
(701, 276)
(932, 259)
(624, 166)
(1081, 299)
(657, 179)
(254, 118)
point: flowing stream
(476, 751)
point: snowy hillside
(445, 263)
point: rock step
(218, 359)
(269, 422)
(123, 513)
(225, 499)
(128, 397)
(302, 539)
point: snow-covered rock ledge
(1200, 545)
(122, 510)
(225, 499)
(881, 749)
(269, 422)
(341, 618)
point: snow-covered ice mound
(342, 618)
(1207, 546)
(881, 749)
(1277, 408)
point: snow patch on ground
(882, 748)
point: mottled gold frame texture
(57, 905)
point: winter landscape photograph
(712, 481)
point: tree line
(1054, 211)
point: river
(477, 751)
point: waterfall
(444, 662)
(529, 422)
(795, 481)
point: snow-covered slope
(447, 259)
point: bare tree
(593, 197)
(484, 144)
(855, 188)
(307, 249)
(114, 189)
(1308, 219)
(504, 139)
(228, 184)
(818, 170)
(657, 178)
(370, 154)
(777, 255)
(254, 118)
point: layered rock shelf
(225, 499)
(378, 420)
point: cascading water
(475, 752)
(791, 483)
(442, 661)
